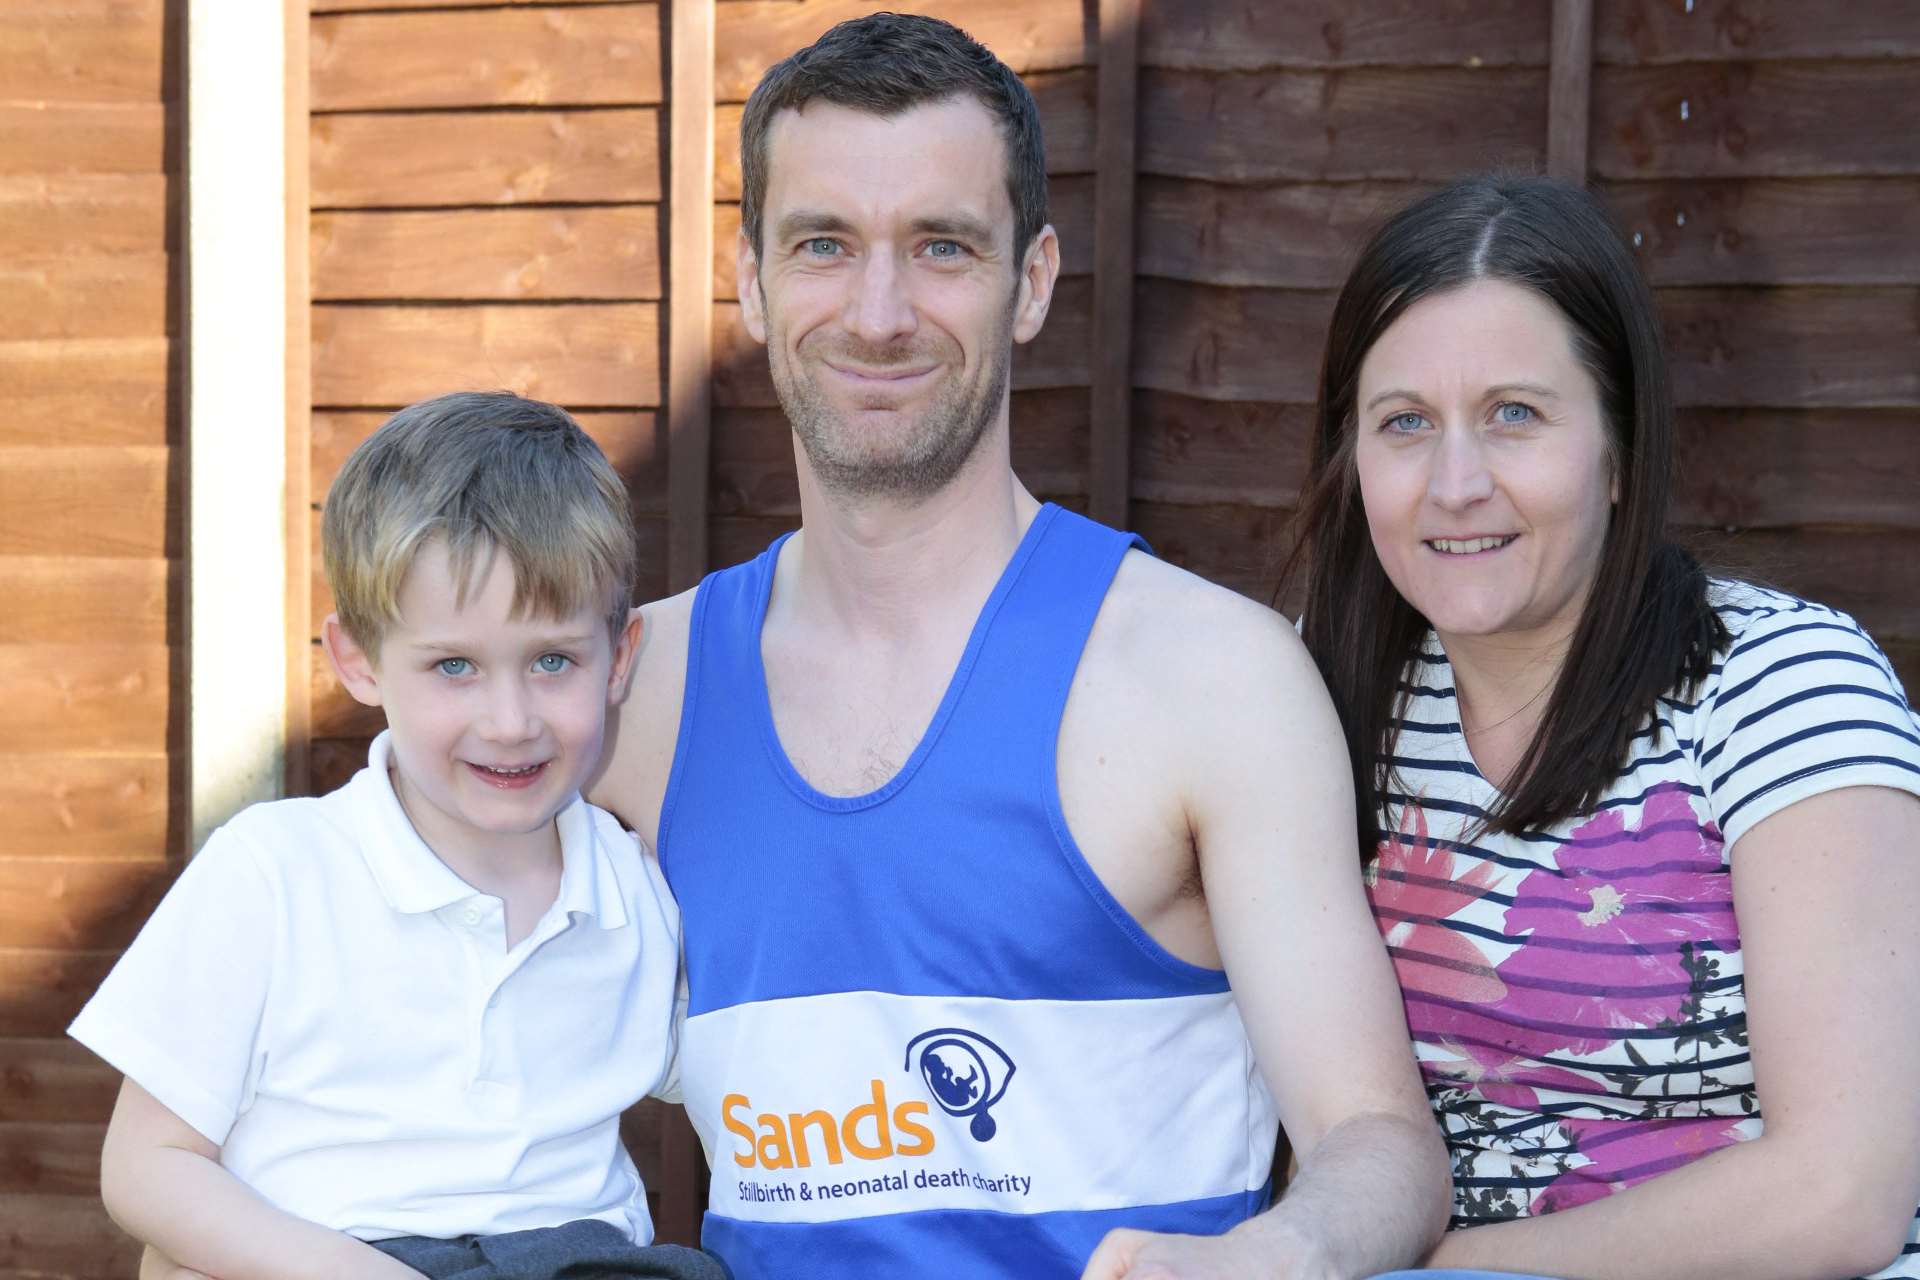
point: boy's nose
(510, 714)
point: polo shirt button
(471, 915)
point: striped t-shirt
(1576, 994)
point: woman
(1645, 845)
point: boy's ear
(350, 662)
(625, 645)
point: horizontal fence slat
(46, 1236)
(78, 598)
(1229, 344)
(438, 158)
(1231, 35)
(603, 55)
(576, 353)
(1292, 236)
(1027, 35)
(1769, 468)
(1773, 231)
(1069, 209)
(50, 1159)
(85, 502)
(83, 296)
(1400, 123)
(83, 138)
(1793, 347)
(85, 51)
(94, 806)
(1766, 119)
(87, 699)
(40, 992)
(1057, 358)
(52, 1080)
(107, 391)
(1064, 99)
(65, 904)
(1204, 452)
(631, 441)
(1653, 31)
(487, 254)
(56, 217)
(1236, 546)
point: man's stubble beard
(924, 455)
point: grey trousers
(584, 1250)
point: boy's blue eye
(552, 663)
(453, 666)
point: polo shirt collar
(414, 880)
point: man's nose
(881, 308)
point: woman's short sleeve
(1804, 702)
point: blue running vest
(923, 1039)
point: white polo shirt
(323, 998)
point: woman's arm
(162, 1182)
(1826, 892)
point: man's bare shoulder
(643, 728)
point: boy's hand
(155, 1265)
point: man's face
(887, 292)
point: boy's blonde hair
(488, 472)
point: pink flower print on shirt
(1619, 1153)
(1413, 887)
(1604, 938)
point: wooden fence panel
(1212, 36)
(492, 255)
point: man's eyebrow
(959, 226)
(805, 222)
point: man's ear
(746, 282)
(350, 662)
(1038, 271)
(626, 644)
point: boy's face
(496, 721)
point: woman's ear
(352, 663)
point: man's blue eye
(552, 663)
(1512, 413)
(944, 249)
(821, 247)
(453, 666)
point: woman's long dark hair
(1647, 626)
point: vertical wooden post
(1570, 89)
(1108, 486)
(689, 381)
(299, 409)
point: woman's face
(1483, 463)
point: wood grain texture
(1027, 35)
(1773, 231)
(1777, 469)
(42, 991)
(689, 394)
(1110, 363)
(1797, 347)
(488, 254)
(62, 138)
(44, 1237)
(631, 442)
(61, 1159)
(57, 217)
(1656, 31)
(1418, 123)
(123, 296)
(1194, 452)
(1236, 546)
(576, 354)
(78, 904)
(87, 699)
(1057, 358)
(85, 806)
(1230, 344)
(1569, 90)
(1230, 35)
(1292, 236)
(85, 51)
(602, 55)
(105, 391)
(1064, 98)
(86, 502)
(53, 1080)
(439, 158)
(1759, 119)
(66, 598)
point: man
(968, 802)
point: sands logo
(966, 1072)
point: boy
(394, 1028)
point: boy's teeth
(508, 772)
(1467, 546)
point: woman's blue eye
(453, 666)
(1513, 413)
(552, 663)
(1405, 422)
